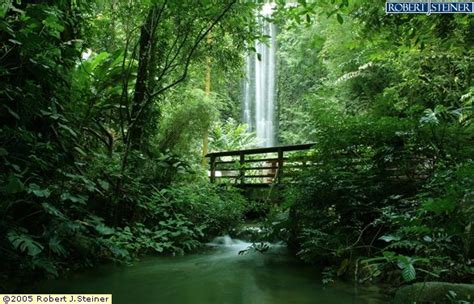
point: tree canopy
(105, 104)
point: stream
(216, 275)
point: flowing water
(217, 275)
(259, 86)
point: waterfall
(260, 85)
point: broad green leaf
(80, 151)
(389, 254)
(68, 129)
(15, 41)
(99, 59)
(439, 206)
(46, 265)
(12, 113)
(49, 209)
(389, 238)
(81, 199)
(37, 191)
(14, 185)
(52, 22)
(406, 265)
(104, 230)
(104, 184)
(409, 273)
(4, 7)
(24, 243)
(55, 246)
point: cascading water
(224, 272)
(259, 87)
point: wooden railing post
(263, 165)
(242, 169)
(280, 164)
(213, 169)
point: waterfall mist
(260, 85)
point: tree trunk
(138, 112)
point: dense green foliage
(100, 149)
(107, 106)
(389, 100)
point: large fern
(24, 243)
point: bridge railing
(259, 166)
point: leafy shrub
(177, 219)
(433, 229)
(371, 195)
(217, 210)
(230, 135)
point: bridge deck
(259, 166)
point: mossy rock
(435, 292)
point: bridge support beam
(257, 167)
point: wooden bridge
(259, 166)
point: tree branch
(200, 37)
(202, 34)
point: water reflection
(219, 275)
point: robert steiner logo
(429, 7)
